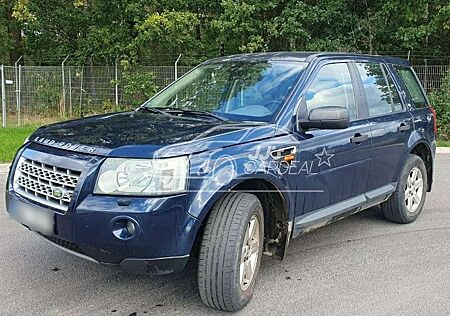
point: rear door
(390, 123)
(416, 100)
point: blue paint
(329, 167)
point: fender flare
(201, 204)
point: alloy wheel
(414, 190)
(250, 252)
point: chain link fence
(43, 94)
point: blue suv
(230, 162)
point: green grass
(443, 143)
(11, 138)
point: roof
(305, 56)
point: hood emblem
(58, 193)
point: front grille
(44, 183)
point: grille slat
(37, 181)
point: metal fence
(41, 94)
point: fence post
(19, 96)
(63, 87)
(70, 93)
(3, 96)
(17, 90)
(116, 77)
(176, 67)
(81, 88)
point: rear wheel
(406, 203)
(231, 250)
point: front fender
(214, 174)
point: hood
(146, 135)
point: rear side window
(413, 86)
(332, 86)
(381, 93)
(396, 102)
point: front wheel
(230, 252)
(406, 203)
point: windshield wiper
(152, 110)
(191, 112)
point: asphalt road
(362, 265)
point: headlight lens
(142, 176)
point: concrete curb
(4, 168)
(443, 150)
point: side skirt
(324, 216)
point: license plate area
(36, 219)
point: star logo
(324, 157)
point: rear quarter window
(412, 86)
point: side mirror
(327, 117)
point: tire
(221, 251)
(403, 206)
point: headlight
(142, 176)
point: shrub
(138, 84)
(440, 100)
(47, 94)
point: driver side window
(332, 86)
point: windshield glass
(241, 91)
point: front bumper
(164, 231)
(161, 243)
(165, 265)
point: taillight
(434, 120)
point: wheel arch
(276, 207)
(277, 228)
(423, 150)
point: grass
(11, 138)
(443, 143)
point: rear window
(381, 95)
(412, 86)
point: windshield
(241, 91)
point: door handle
(404, 127)
(358, 138)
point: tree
(151, 31)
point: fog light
(130, 227)
(124, 228)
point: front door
(333, 164)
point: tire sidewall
(244, 296)
(412, 162)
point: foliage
(47, 94)
(440, 100)
(138, 85)
(99, 31)
(5, 45)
